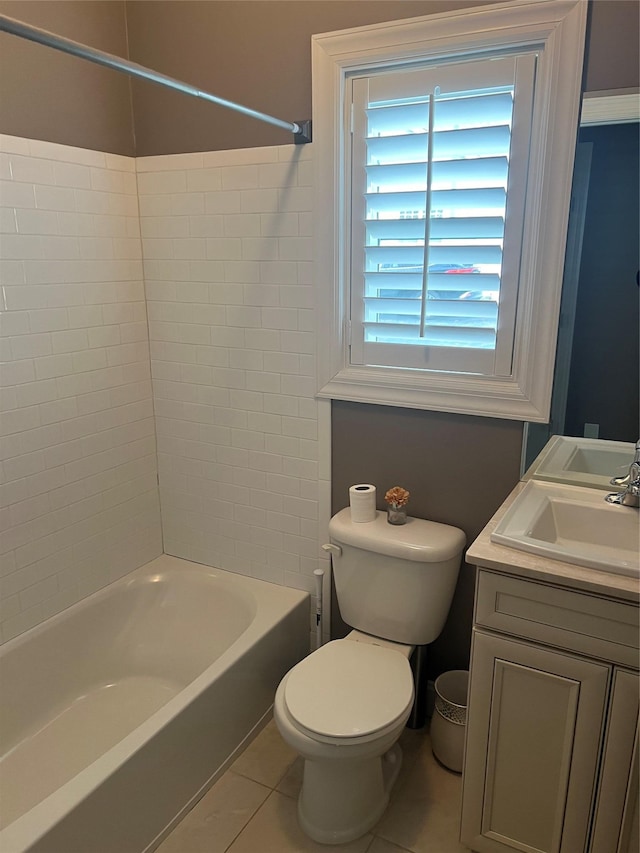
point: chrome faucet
(630, 496)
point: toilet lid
(349, 689)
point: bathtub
(120, 712)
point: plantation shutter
(437, 213)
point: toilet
(344, 706)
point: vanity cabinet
(617, 821)
(551, 757)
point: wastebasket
(449, 718)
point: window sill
(445, 392)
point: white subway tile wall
(243, 446)
(227, 255)
(78, 496)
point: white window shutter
(457, 262)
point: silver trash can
(449, 718)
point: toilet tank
(395, 582)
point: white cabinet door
(616, 817)
(533, 739)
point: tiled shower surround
(227, 257)
(79, 482)
(227, 246)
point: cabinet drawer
(571, 620)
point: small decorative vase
(396, 514)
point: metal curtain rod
(301, 130)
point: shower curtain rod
(301, 130)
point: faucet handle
(630, 484)
(629, 497)
(624, 480)
(620, 481)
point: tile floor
(252, 807)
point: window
(444, 149)
(435, 145)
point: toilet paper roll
(362, 500)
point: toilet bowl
(343, 708)
(349, 747)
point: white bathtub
(118, 713)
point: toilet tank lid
(418, 540)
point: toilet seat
(348, 692)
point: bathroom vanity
(551, 758)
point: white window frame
(556, 29)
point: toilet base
(341, 801)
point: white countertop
(490, 555)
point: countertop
(490, 555)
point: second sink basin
(572, 524)
(582, 461)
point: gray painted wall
(45, 94)
(256, 52)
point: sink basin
(582, 461)
(572, 524)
